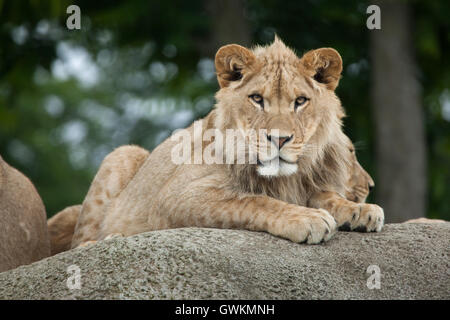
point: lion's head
(270, 88)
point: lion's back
(23, 227)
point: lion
(23, 229)
(297, 192)
(62, 225)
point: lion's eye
(258, 99)
(300, 101)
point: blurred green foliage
(137, 70)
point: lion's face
(292, 100)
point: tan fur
(61, 228)
(133, 193)
(62, 225)
(23, 229)
(116, 171)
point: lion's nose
(280, 141)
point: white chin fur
(276, 168)
(286, 169)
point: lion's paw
(308, 226)
(361, 217)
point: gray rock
(193, 263)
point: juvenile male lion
(62, 225)
(300, 196)
(23, 229)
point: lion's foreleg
(215, 209)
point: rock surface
(194, 263)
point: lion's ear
(232, 61)
(324, 65)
